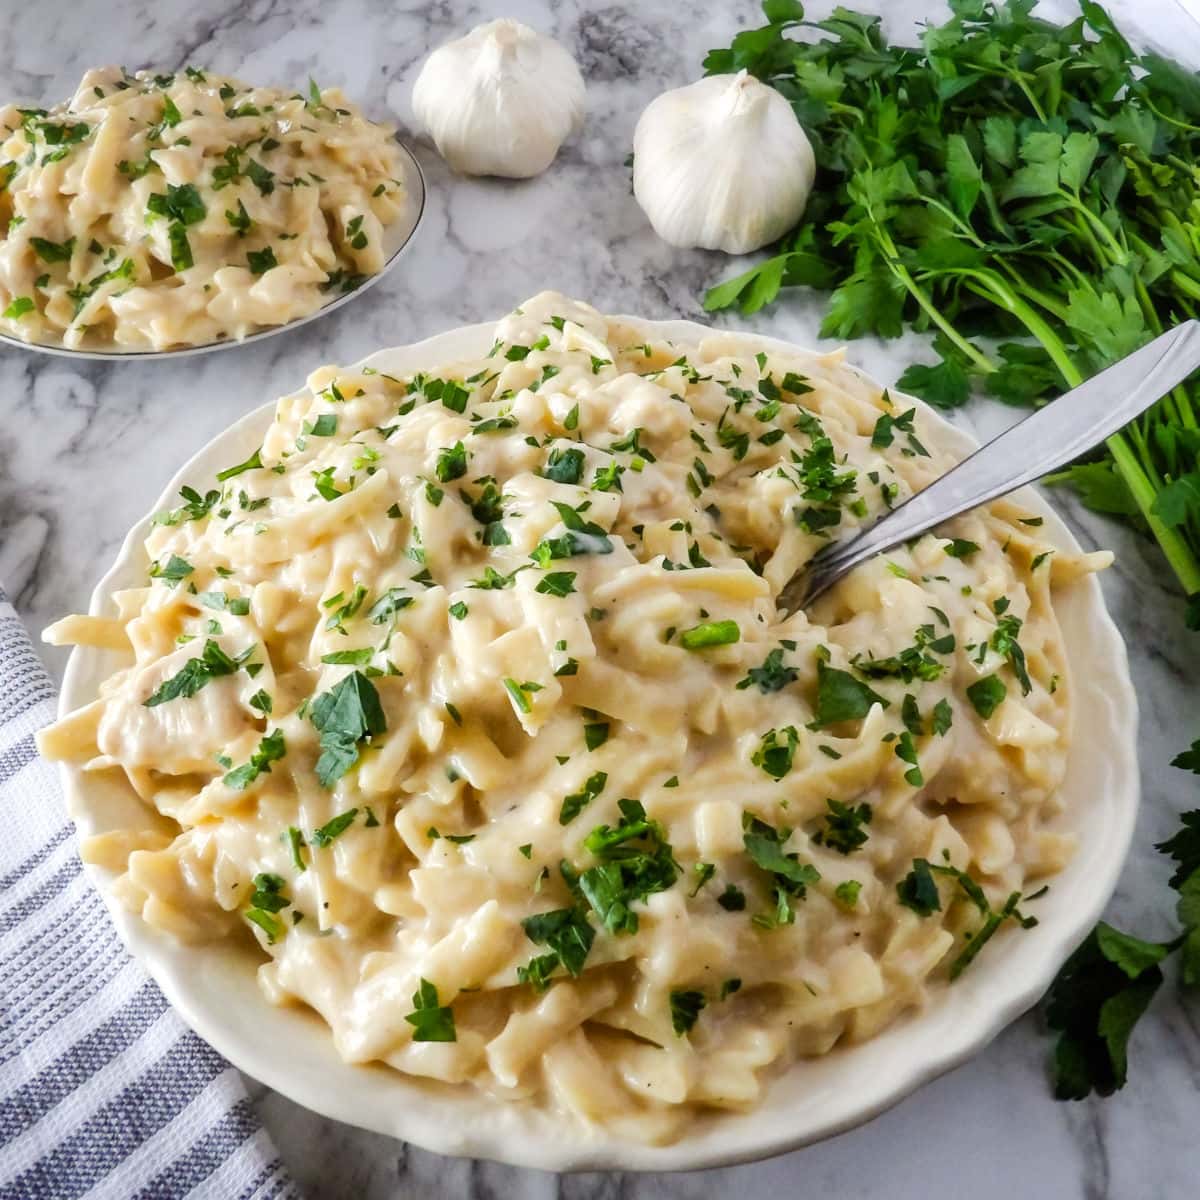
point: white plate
(396, 238)
(214, 990)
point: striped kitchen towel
(104, 1092)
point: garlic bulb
(722, 164)
(500, 101)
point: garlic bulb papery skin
(500, 101)
(722, 164)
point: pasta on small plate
(445, 716)
(155, 214)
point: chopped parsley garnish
(182, 204)
(608, 479)
(841, 697)
(493, 581)
(635, 862)
(333, 829)
(343, 609)
(355, 234)
(262, 179)
(846, 894)
(910, 714)
(581, 537)
(196, 672)
(884, 433)
(567, 934)
(711, 633)
(519, 693)
(451, 462)
(906, 751)
(772, 676)
(18, 307)
(844, 829)
(595, 734)
(347, 715)
(253, 463)
(270, 749)
(986, 694)
(685, 1009)
(789, 876)
(1004, 642)
(431, 1021)
(918, 890)
(556, 583)
(384, 609)
(240, 220)
(732, 899)
(176, 569)
(261, 261)
(265, 902)
(360, 657)
(458, 610)
(53, 252)
(564, 466)
(776, 750)
(913, 662)
(575, 803)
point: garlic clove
(722, 164)
(500, 101)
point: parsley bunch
(1108, 983)
(1011, 180)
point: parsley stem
(918, 293)
(1183, 562)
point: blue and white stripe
(104, 1092)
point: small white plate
(396, 238)
(213, 987)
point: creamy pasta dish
(152, 211)
(467, 696)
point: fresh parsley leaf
(1094, 1004)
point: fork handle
(1046, 440)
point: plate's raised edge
(554, 1154)
(95, 355)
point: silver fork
(1046, 440)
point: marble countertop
(85, 450)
